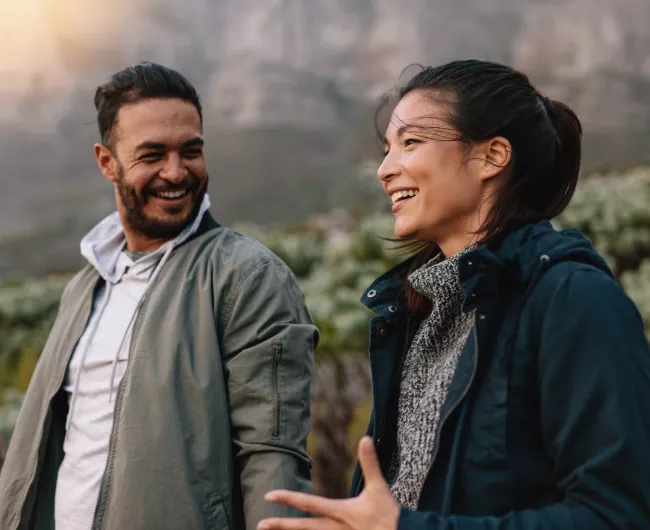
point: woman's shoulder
(581, 297)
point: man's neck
(135, 256)
(137, 243)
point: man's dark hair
(135, 83)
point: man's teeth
(402, 195)
(171, 194)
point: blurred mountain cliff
(289, 87)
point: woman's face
(435, 182)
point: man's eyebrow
(150, 145)
(157, 146)
(194, 142)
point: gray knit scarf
(428, 369)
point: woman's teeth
(404, 194)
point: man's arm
(269, 340)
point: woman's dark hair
(486, 100)
(135, 83)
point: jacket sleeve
(269, 342)
(594, 394)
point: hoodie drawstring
(101, 247)
(93, 330)
(129, 330)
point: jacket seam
(231, 300)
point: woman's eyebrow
(402, 129)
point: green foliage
(335, 261)
(302, 252)
(27, 311)
(336, 257)
(10, 401)
(613, 210)
(637, 285)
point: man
(173, 391)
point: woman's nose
(388, 168)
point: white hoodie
(99, 362)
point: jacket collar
(520, 257)
(385, 296)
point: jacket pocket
(215, 513)
(278, 349)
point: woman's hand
(374, 509)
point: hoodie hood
(103, 245)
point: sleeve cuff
(415, 520)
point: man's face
(157, 167)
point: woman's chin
(404, 230)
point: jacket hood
(104, 243)
(539, 245)
(522, 255)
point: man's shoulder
(227, 249)
(84, 279)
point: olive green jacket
(212, 412)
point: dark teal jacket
(546, 424)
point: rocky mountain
(289, 88)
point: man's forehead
(161, 117)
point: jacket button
(372, 293)
(470, 263)
(544, 257)
(382, 332)
(481, 316)
(392, 308)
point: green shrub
(336, 257)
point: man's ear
(107, 162)
(496, 154)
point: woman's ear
(106, 162)
(496, 155)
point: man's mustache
(191, 184)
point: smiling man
(173, 391)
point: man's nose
(174, 170)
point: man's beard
(158, 228)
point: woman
(511, 373)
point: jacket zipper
(277, 357)
(407, 343)
(60, 379)
(100, 505)
(455, 405)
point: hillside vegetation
(336, 256)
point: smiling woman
(509, 369)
